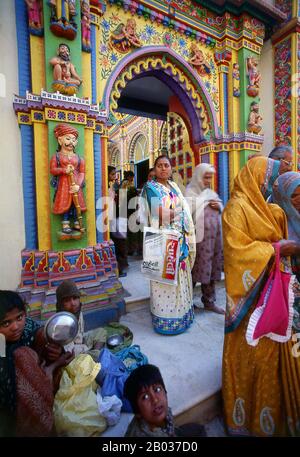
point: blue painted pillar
(223, 176)
(23, 47)
(222, 162)
(27, 143)
(225, 101)
(98, 179)
(94, 63)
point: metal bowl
(61, 328)
(114, 340)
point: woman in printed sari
(261, 384)
(286, 193)
(171, 306)
(27, 384)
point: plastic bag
(109, 407)
(161, 253)
(112, 377)
(273, 314)
(75, 405)
(132, 357)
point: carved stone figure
(52, 4)
(68, 170)
(34, 8)
(254, 121)
(125, 37)
(198, 60)
(65, 78)
(254, 76)
(86, 26)
(72, 12)
(236, 80)
(64, 26)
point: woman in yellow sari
(261, 384)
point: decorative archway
(138, 148)
(114, 155)
(164, 64)
(164, 137)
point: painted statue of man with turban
(68, 170)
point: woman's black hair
(143, 376)
(129, 173)
(10, 300)
(163, 156)
(110, 169)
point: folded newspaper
(161, 255)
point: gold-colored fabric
(250, 226)
(261, 384)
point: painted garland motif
(283, 96)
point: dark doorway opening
(141, 172)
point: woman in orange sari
(261, 384)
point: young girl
(26, 383)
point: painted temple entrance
(125, 81)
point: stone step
(136, 303)
(190, 363)
(203, 412)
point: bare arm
(55, 61)
(289, 247)
(74, 73)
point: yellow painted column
(213, 161)
(86, 75)
(90, 189)
(221, 95)
(59, 8)
(42, 186)
(37, 55)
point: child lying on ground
(146, 392)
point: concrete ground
(190, 363)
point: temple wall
(12, 227)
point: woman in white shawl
(206, 208)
